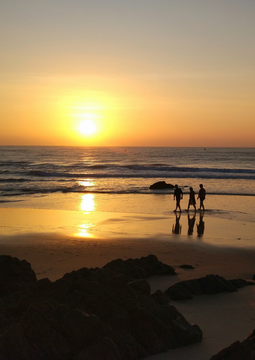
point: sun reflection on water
(83, 230)
(88, 205)
(88, 202)
(86, 183)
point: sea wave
(83, 190)
(13, 163)
(13, 180)
(168, 173)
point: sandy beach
(56, 242)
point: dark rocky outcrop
(187, 266)
(140, 268)
(210, 284)
(244, 350)
(161, 185)
(14, 274)
(89, 314)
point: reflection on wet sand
(191, 223)
(177, 228)
(83, 230)
(201, 225)
(87, 204)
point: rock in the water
(187, 266)
(244, 350)
(210, 284)
(161, 185)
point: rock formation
(90, 314)
(210, 284)
(161, 185)
(244, 350)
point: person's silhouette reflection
(191, 223)
(177, 228)
(200, 226)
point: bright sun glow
(87, 127)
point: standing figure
(178, 195)
(192, 200)
(201, 196)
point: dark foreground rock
(90, 314)
(141, 268)
(161, 185)
(244, 350)
(14, 274)
(210, 284)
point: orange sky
(147, 73)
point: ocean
(59, 176)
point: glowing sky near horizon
(145, 72)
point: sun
(87, 127)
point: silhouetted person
(177, 228)
(192, 200)
(191, 223)
(200, 226)
(178, 195)
(201, 196)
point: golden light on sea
(83, 230)
(87, 205)
(87, 202)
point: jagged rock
(161, 185)
(93, 314)
(210, 284)
(140, 286)
(240, 283)
(14, 273)
(160, 298)
(105, 349)
(141, 268)
(238, 350)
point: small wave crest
(85, 190)
(173, 173)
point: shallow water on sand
(222, 206)
(223, 223)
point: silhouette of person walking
(192, 200)
(177, 228)
(178, 195)
(201, 196)
(191, 223)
